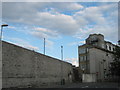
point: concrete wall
(23, 67)
(88, 78)
(99, 62)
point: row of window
(83, 50)
(83, 58)
(111, 48)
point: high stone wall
(24, 68)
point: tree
(115, 65)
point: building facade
(95, 56)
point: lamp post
(3, 25)
(119, 42)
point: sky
(65, 24)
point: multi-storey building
(95, 56)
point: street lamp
(119, 42)
(3, 25)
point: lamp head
(119, 42)
(4, 25)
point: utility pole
(86, 60)
(44, 46)
(3, 25)
(62, 82)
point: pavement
(91, 85)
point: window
(103, 46)
(106, 46)
(85, 58)
(82, 50)
(93, 38)
(95, 44)
(87, 49)
(81, 58)
(109, 47)
(83, 66)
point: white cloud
(99, 19)
(96, 14)
(49, 44)
(35, 15)
(77, 43)
(74, 61)
(63, 24)
(67, 6)
(43, 33)
(23, 43)
(11, 27)
(21, 9)
(49, 16)
(61, 1)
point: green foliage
(117, 53)
(115, 65)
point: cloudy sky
(61, 23)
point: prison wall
(26, 68)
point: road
(83, 85)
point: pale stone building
(95, 56)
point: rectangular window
(107, 47)
(83, 66)
(81, 58)
(84, 58)
(87, 49)
(82, 50)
